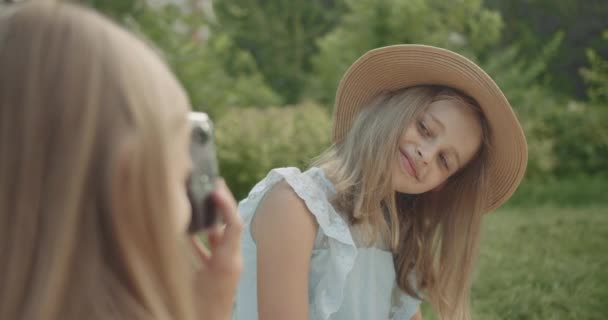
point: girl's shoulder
(283, 213)
(311, 187)
(310, 190)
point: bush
(566, 139)
(251, 142)
(581, 146)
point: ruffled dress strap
(329, 294)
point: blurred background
(267, 71)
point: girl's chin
(407, 187)
(404, 188)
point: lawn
(542, 263)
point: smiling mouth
(408, 164)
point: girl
(425, 143)
(94, 140)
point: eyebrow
(439, 123)
(452, 149)
(457, 158)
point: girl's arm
(284, 231)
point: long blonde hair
(433, 236)
(86, 228)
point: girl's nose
(427, 152)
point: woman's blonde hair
(434, 235)
(86, 223)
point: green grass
(571, 192)
(543, 263)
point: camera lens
(200, 134)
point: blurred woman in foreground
(94, 161)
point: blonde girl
(94, 157)
(424, 144)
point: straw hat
(401, 66)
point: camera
(205, 170)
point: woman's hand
(222, 266)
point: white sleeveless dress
(346, 282)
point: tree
(280, 35)
(531, 23)
(596, 76)
(214, 71)
(466, 27)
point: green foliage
(280, 35)
(542, 263)
(565, 139)
(251, 142)
(465, 27)
(211, 86)
(517, 74)
(198, 59)
(518, 77)
(582, 145)
(596, 76)
(116, 8)
(531, 22)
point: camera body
(204, 173)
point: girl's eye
(444, 161)
(424, 130)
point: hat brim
(401, 66)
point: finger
(226, 205)
(201, 251)
(215, 236)
(224, 201)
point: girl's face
(442, 141)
